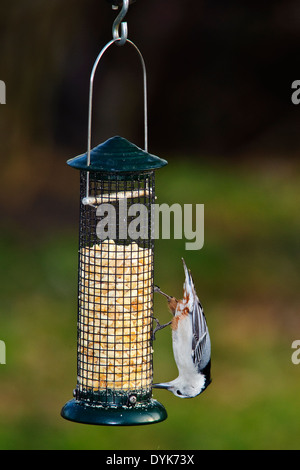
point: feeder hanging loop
(107, 46)
(121, 40)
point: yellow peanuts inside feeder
(115, 317)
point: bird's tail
(189, 283)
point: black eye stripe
(179, 392)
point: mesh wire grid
(115, 292)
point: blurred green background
(220, 112)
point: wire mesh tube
(115, 292)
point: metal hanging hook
(121, 40)
(118, 3)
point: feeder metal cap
(117, 155)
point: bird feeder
(115, 283)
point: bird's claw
(158, 291)
(159, 327)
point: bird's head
(182, 389)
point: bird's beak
(165, 385)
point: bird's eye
(179, 392)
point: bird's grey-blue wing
(201, 341)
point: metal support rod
(91, 100)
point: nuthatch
(191, 342)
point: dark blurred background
(220, 111)
(219, 83)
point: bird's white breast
(182, 345)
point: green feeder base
(83, 412)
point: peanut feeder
(115, 274)
(115, 287)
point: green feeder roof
(117, 155)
